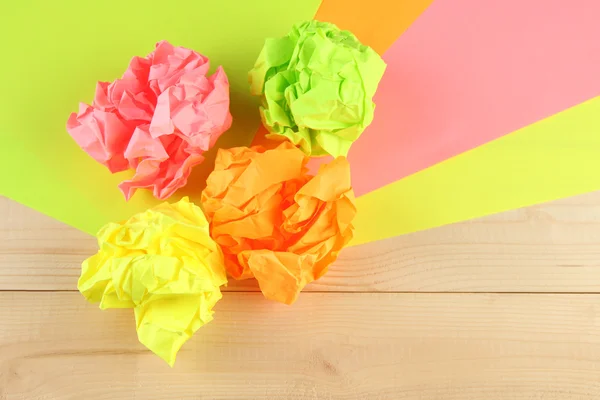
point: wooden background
(503, 307)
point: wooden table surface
(503, 307)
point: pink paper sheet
(469, 71)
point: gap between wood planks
(343, 293)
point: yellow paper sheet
(553, 158)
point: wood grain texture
(553, 247)
(337, 345)
(327, 346)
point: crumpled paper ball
(274, 221)
(163, 264)
(157, 119)
(316, 86)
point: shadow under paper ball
(246, 121)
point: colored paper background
(54, 52)
(377, 23)
(57, 53)
(553, 158)
(469, 71)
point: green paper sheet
(554, 158)
(54, 52)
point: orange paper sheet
(275, 222)
(377, 23)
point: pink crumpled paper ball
(157, 119)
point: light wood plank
(553, 247)
(327, 346)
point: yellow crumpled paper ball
(163, 264)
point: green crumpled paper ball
(316, 86)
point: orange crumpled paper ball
(158, 119)
(275, 222)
